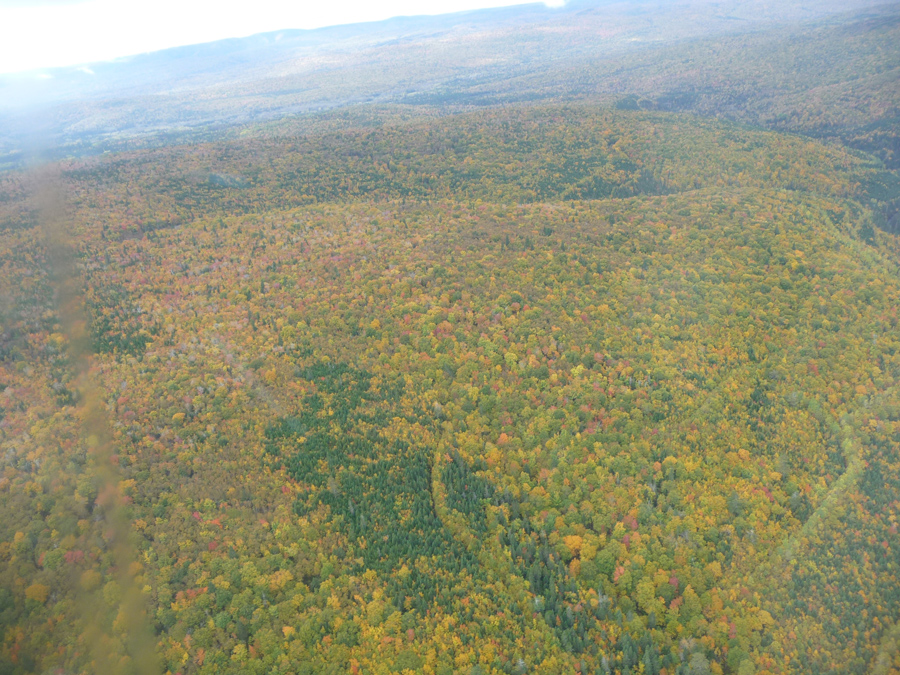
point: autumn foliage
(550, 390)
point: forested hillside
(552, 389)
(826, 68)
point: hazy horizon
(68, 33)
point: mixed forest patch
(552, 389)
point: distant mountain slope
(460, 59)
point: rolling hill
(377, 349)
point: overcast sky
(46, 33)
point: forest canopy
(559, 387)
